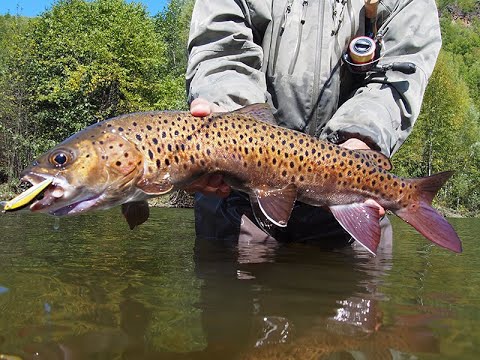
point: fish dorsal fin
(377, 158)
(262, 112)
(277, 204)
(136, 213)
(361, 221)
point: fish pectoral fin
(262, 220)
(154, 188)
(277, 204)
(361, 221)
(136, 213)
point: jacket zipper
(299, 37)
(312, 125)
(288, 10)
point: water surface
(89, 288)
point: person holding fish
(299, 57)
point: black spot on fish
(149, 127)
(125, 155)
(139, 138)
(274, 161)
(120, 129)
(259, 163)
(164, 134)
(169, 147)
(150, 154)
(134, 123)
(155, 141)
(118, 163)
(292, 145)
(284, 173)
(176, 159)
(192, 159)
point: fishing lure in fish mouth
(28, 196)
(131, 158)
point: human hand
(357, 144)
(209, 184)
(202, 107)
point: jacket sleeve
(224, 59)
(383, 111)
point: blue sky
(36, 7)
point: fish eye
(59, 158)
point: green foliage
(446, 137)
(91, 61)
(17, 133)
(173, 27)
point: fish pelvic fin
(136, 213)
(423, 217)
(277, 204)
(361, 221)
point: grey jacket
(287, 53)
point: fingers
(354, 144)
(203, 107)
(381, 210)
(210, 185)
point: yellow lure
(27, 196)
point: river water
(86, 287)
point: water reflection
(93, 290)
(297, 301)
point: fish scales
(259, 154)
(128, 159)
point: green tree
(91, 61)
(17, 143)
(173, 26)
(446, 136)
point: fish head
(94, 169)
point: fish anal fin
(431, 224)
(136, 213)
(277, 204)
(377, 158)
(262, 220)
(260, 111)
(361, 221)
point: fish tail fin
(423, 217)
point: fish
(131, 158)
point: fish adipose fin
(426, 219)
(361, 221)
(277, 204)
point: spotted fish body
(131, 158)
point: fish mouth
(56, 197)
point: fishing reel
(363, 55)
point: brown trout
(131, 158)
